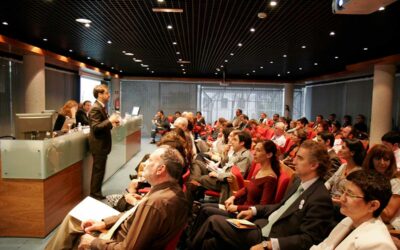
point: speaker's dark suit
(99, 145)
(306, 222)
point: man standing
(236, 119)
(303, 217)
(100, 138)
(82, 115)
(151, 224)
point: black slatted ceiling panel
(207, 32)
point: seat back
(283, 182)
(238, 180)
(172, 244)
(185, 178)
(253, 170)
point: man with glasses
(303, 217)
(364, 197)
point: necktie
(278, 213)
(110, 232)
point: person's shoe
(98, 196)
(153, 142)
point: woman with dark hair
(298, 137)
(364, 196)
(381, 159)
(335, 128)
(261, 189)
(353, 153)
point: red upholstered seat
(174, 241)
(283, 182)
(236, 184)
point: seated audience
(263, 118)
(160, 123)
(82, 115)
(151, 224)
(236, 119)
(360, 124)
(303, 218)
(364, 197)
(392, 140)
(298, 137)
(279, 134)
(335, 128)
(66, 116)
(318, 120)
(327, 140)
(347, 121)
(381, 159)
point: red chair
(283, 182)
(253, 170)
(175, 240)
(236, 184)
(268, 134)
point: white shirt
(279, 140)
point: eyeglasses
(351, 195)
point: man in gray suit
(100, 137)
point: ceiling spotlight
(332, 33)
(160, 1)
(152, 72)
(221, 66)
(45, 39)
(381, 8)
(124, 51)
(252, 30)
(365, 49)
(288, 72)
(215, 73)
(120, 71)
(240, 44)
(315, 64)
(102, 63)
(218, 69)
(167, 10)
(300, 68)
(254, 71)
(232, 54)
(129, 54)
(336, 57)
(247, 74)
(174, 43)
(83, 20)
(225, 60)
(109, 42)
(279, 75)
(112, 67)
(180, 59)
(178, 53)
(147, 68)
(284, 55)
(261, 67)
(88, 57)
(87, 25)
(262, 15)
(271, 62)
(169, 27)
(182, 65)
(70, 50)
(5, 23)
(137, 60)
(273, 3)
(184, 73)
(303, 47)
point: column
(34, 83)
(115, 97)
(288, 100)
(382, 98)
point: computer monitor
(33, 126)
(135, 110)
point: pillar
(115, 96)
(288, 100)
(382, 99)
(34, 83)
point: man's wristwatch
(266, 245)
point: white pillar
(34, 83)
(288, 99)
(382, 99)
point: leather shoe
(98, 196)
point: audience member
(236, 119)
(347, 121)
(279, 134)
(327, 140)
(82, 115)
(160, 123)
(360, 124)
(392, 140)
(66, 116)
(364, 197)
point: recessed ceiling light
(152, 72)
(252, 30)
(183, 69)
(168, 10)
(215, 73)
(178, 53)
(129, 54)
(102, 63)
(109, 42)
(184, 73)
(300, 68)
(284, 55)
(5, 23)
(332, 33)
(144, 65)
(88, 57)
(303, 47)
(381, 8)
(254, 71)
(232, 54)
(124, 51)
(83, 20)
(174, 43)
(315, 64)
(87, 25)
(45, 39)
(240, 44)
(336, 57)
(271, 62)
(169, 27)
(365, 49)
(137, 60)
(70, 50)
(262, 15)
(261, 67)
(160, 1)
(120, 71)
(247, 74)
(225, 60)
(112, 67)
(279, 75)
(221, 66)
(182, 65)
(147, 68)
(288, 72)
(218, 69)
(273, 3)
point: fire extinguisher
(116, 104)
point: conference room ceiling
(294, 42)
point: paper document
(91, 208)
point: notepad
(93, 209)
(241, 224)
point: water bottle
(48, 135)
(79, 126)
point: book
(93, 209)
(241, 224)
